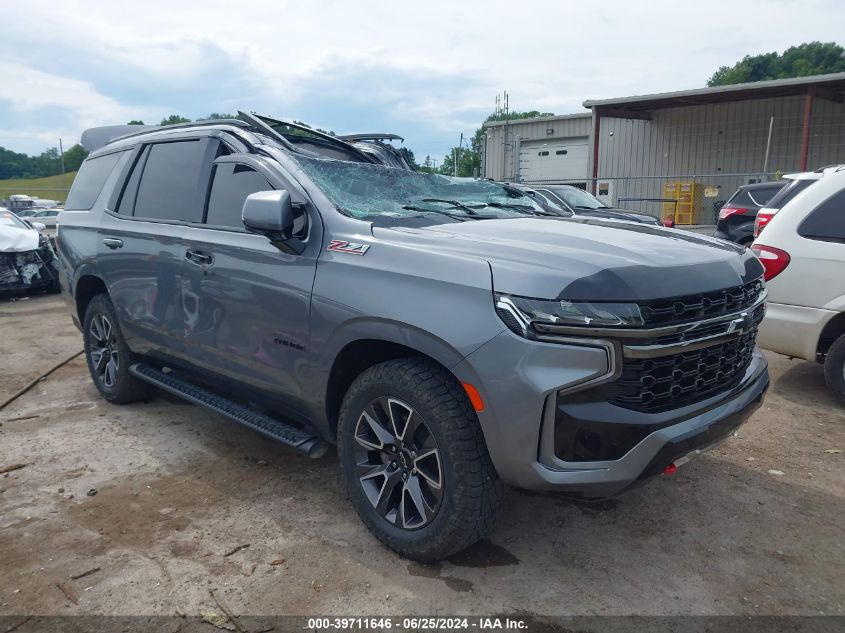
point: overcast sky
(427, 71)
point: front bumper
(793, 330)
(527, 386)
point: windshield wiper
(583, 206)
(521, 208)
(462, 218)
(458, 205)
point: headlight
(519, 312)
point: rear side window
(127, 198)
(232, 184)
(170, 182)
(757, 197)
(827, 221)
(90, 180)
(786, 194)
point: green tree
(74, 157)
(174, 119)
(804, 60)
(214, 116)
(408, 155)
(427, 165)
(135, 122)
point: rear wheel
(834, 367)
(414, 460)
(108, 356)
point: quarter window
(170, 182)
(90, 180)
(827, 221)
(232, 184)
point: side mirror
(272, 213)
(38, 226)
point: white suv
(803, 251)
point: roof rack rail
(370, 137)
(96, 137)
(177, 126)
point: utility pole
(62, 157)
(458, 157)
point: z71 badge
(342, 246)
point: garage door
(553, 160)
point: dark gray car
(585, 204)
(447, 334)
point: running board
(302, 441)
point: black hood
(590, 259)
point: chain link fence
(689, 199)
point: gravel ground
(158, 495)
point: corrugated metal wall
(716, 145)
(721, 138)
(719, 145)
(499, 161)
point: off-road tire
(126, 388)
(834, 367)
(472, 492)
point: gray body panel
(259, 319)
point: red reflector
(669, 221)
(727, 211)
(774, 260)
(474, 397)
(670, 469)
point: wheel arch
(832, 330)
(374, 343)
(87, 287)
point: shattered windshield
(363, 191)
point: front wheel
(834, 367)
(414, 460)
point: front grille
(662, 312)
(669, 382)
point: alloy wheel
(398, 462)
(103, 349)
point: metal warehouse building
(681, 153)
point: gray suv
(449, 335)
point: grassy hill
(51, 187)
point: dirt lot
(178, 488)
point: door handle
(113, 243)
(199, 257)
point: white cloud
(105, 59)
(27, 89)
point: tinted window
(757, 197)
(786, 194)
(170, 182)
(90, 180)
(827, 222)
(127, 198)
(232, 184)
